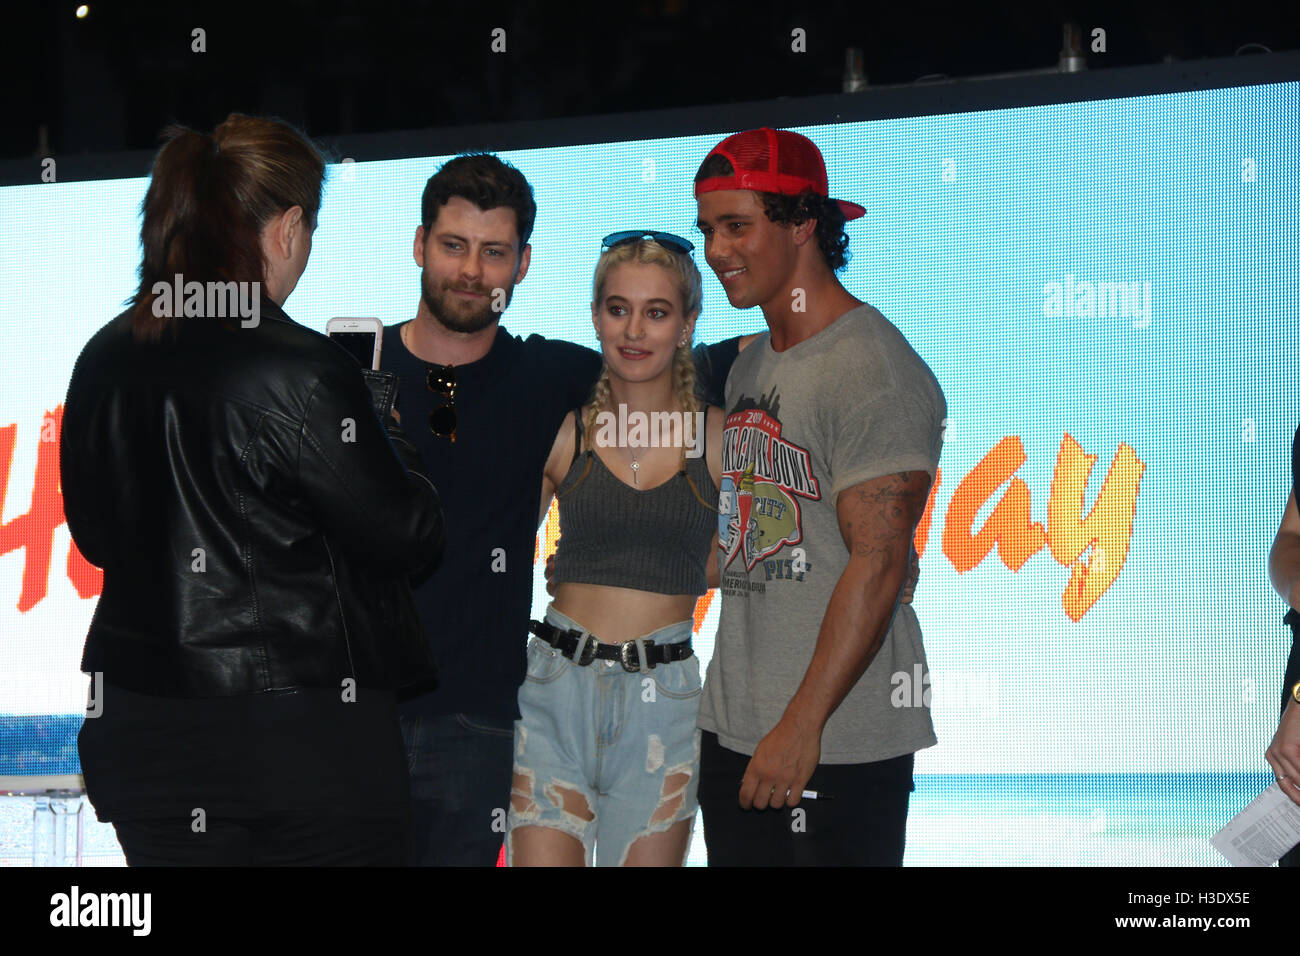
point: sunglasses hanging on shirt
(441, 380)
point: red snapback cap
(774, 161)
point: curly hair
(793, 210)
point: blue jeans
(460, 787)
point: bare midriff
(615, 615)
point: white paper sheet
(1268, 827)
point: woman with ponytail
(256, 524)
(606, 750)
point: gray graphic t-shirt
(852, 403)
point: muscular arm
(878, 520)
(1284, 556)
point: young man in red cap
(832, 440)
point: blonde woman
(606, 749)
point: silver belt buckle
(628, 658)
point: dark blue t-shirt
(509, 405)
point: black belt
(583, 648)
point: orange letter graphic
(1107, 528)
(34, 531)
(1009, 525)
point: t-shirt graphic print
(764, 478)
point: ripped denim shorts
(624, 742)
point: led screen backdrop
(1105, 290)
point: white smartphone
(363, 338)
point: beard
(456, 313)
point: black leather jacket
(255, 521)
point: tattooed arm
(878, 520)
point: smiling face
(753, 257)
(640, 321)
(465, 255)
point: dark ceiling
(111, 80)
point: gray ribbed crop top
(652, 540)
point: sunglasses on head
(441, 380)
(667, 239)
